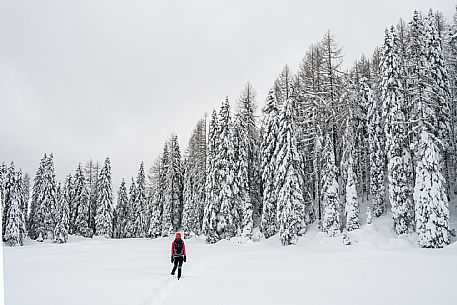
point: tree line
(383, 131)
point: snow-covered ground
(377, 268)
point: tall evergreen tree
(212, 187)
(105, 202)
(269, 142)
(376, 149)
(431, 201)
(15, 230)
(63, 224)
(122, 210)
(225, 164)
(289, 180)
(140, 204)
(398, 156)
(331, 222)
(79, 209)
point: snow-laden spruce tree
(140, 204)
(432, 206)
(122, 210)
(15, 231)
(175, 175)
(42, 217)
(289, 179)
(351, 209)
(243, 204)
(269, 142)
(212, 187)
(63, 223)
(375, 149)
(105, 203)
(245, 113)
(167, 206)
(10, 180)
(25, 194)
(226, 167)
(331, 222)
(352, 204)
(129, 230)
(157, 181)
(397, 150)
(80, 205)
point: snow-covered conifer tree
(288, 184)
(269, 139)
(397, 150)
(15, 230)
(174, 179)
(376, 149)
(226, 226)
(62, 227)
(122, 210)
(331, 222)
(140, 204)
(130, 225)
(80, 205)
(212, 187)
(105, 202)
(431, 201)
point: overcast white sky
(89, 79)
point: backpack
(179, 245)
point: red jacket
(173, 249)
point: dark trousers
(178, 264)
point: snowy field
(378, 268)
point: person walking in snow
(178, 254)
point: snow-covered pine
(167, 207)
(139, 210)
(212, 187)
(431, 201)
(15, 231)
(157, 181)
(351, 209)
(91, 171)
(288, 184)
(9, 184)
(268, 144)
(246, 121)
(331, 222)
(375, 148)
(397, 150)
(174, 179)
(33, 224)
(130, 225)
(42, 217)
(25, 194)
(122, 208)
(105, 202)
(194, 181)
(450, 52)
(80, 205)
(62, 227)
(226, 167)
